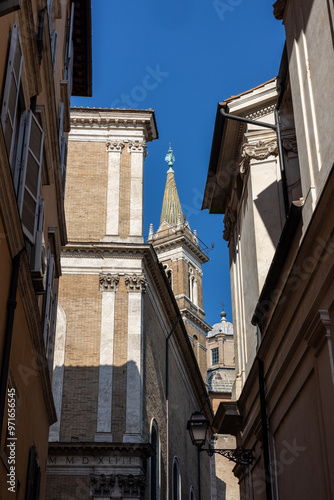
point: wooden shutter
(60, 123)
(49, 7)
(48, 302)
(50, 346)
(54, 37)
(63, 162)
(33, 476)
(29, 169)
(11, 92)
(69, 53)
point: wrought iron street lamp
(198, 427)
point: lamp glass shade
(198, 427)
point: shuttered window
(49, 8)
(9, 108)
(63, 162)
(33, 476)
(50, 309)
(28, 172)
(69, 53)
(54, 38)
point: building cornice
(177, 241)
(143, 450)
(113, 119)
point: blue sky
(181, 58)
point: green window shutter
(29, 170)
(11, 92)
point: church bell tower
(179, 250)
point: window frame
(214, 353)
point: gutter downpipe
(167, 405)
(11, 306)
(277, 129)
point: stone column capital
(108, 282)
(135, 283)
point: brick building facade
(125, 378)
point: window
(215, 355)
(49, 312)
(176, 486)
(168, 274)
(155, 463)
(63, 162)
(192, 494)
(191, 284)
(34, 476)
(10, 104)
(68, 69)
(27, 176)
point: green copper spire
(171, 207)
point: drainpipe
(11, 306)
(265, 438)
(277, 129)
(167, 406)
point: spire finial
(170, 158)
(223, 313)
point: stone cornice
(177, 241)
(196, 320)
(262, 111)
(116, 119)
(144, 450)
(97, 250)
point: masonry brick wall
(154, 381)
(81, 378)
(87, 170)
(77, 487)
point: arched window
(176, 481)
(191, 284)
(192, 493)
(168, 274)
(155, 463)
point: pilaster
(136, 286)
(108, 285)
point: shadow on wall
(221, 489)
(267, 204)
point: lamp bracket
(239, 456)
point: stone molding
(135, 283)
(114, 146)
(259, 151)
(229, 223)
(129, 484)
(279, 8)
(109, 282)
(261, 112)
(290, 144)
(137, 147)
